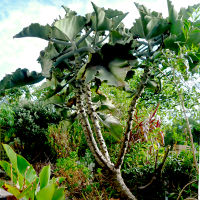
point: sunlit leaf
(71, 25)
(100, 22)
(35, 30)
(112, 124)
(20, 78)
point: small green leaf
(6, 167)
(13, 190)
(59, 194)
(44, 176)
(46, 192)
(115, 36)
(11, 155)
(112, 124)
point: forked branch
(131, 111)
(88, 131)
(93, 115)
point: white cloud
(24, 52)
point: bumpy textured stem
(113, 174)
(89, 134)
(115, 178)
(132, 107)
(97, 128)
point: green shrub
(7, 130)
(139, 167)
(31, 123)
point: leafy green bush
(31, 123)
(24, 181)
(6, 122)
(139, 169)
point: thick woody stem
(132, 107)
(97, 128)
(88, 132)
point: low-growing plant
(24, 181)
(139, 170)
(78, 176)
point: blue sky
(17, 14)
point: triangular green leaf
(35, 30)
(11, 155)
(71, 25)
(46, 192)
(100, 22)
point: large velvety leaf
(119, 69)
(100, 22)
(116, 16)
(102, 102)
(110, 65)
(45, 59)
(20, 78)
(156, 26)
(35, 30)
(112, 124)
(102, 74)
(71, 25)
(173, 16)
(68, 11)
(150, 24)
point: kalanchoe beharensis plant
(84, 51)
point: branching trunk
(97, 128)
(88, 131)
(101, 155)
(131, 111)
